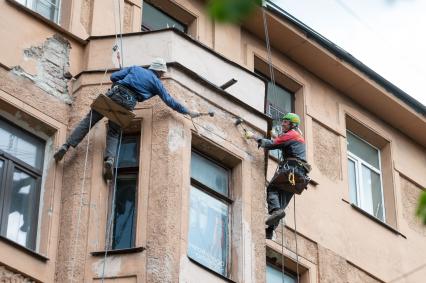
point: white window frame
(359, 162)
(32, 4)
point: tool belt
(299, 162)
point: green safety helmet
(293, 118)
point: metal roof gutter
(344, 55)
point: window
(21, 167)
(365, 176)
(124, 215)
(154, 19)
(279, 101)
(274, 275)
(47, 8)
(209, 214)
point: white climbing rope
(110, 220)
(275, 96)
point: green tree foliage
(232, 11)
(421, 208)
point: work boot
(59, 154)
(108, 168)
(269, 232)
(275, 217)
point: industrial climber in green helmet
(292, 145)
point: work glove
(194, 114)
(248, 134)
(263, 142)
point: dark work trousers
(118, 94)
(277, 199)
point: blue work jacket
(146, 84)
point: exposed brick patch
(52, 62)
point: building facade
(190, 200)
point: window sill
(24, 249)
(365, 213)
(120, 251)
(211, 271)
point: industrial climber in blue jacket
(130, 85)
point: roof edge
(346, 56)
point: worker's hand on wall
(194, 114)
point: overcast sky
(389, 36)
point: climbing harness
(291, 178)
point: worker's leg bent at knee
(277, 202)
(118, 95)
(79, 132)
(112, 141)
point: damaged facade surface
(190, 202)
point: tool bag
(291, 176)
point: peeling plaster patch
(128, 17)
(410, 195)
(7, 275)
(52, 61)
(112, 267)
(175, 139)
(327, 152)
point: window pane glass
(363, 150)
(154, 19)
(46, 8)
(21, 145)
(371, 193)
(1, 171)
(279, 102)
(124, 214)
(209, 174)
(273, 275)
(352, 181)
(208, 231)
(129, 152)
(21, 209)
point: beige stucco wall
(335, 242)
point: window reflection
(129, 152)
(209, 174)
(21, 165)
(208, 231)
(124, 214)
(274, 275)
(19, 144)
(20, 207)
(154, 19)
